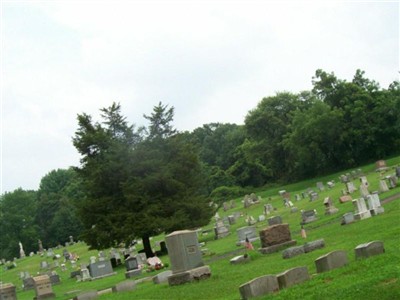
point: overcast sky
(212, 60)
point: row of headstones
(273, 283)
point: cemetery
(350, 250)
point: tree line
(138, 182)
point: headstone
(275, 238)
(231, 219)
(249, 232)
(225, 206)
(233, 204)
(28, 283)
(292, 251)
(93, 259)
(313, 196)
(330, 209)
(21, 251)
(250, 220)
(314, 245)
(261, 218)
(85, 274)
(330, 184)
(361, 211)
(293, 210)
(308, 216)
(43, 287)
(398, 172)
(344, 179)
(268, 209)
(132, 267)
(364, 190)
(297, 197)
(374, 204)
(369, 249)
(54, 278)
(220, 230)
(44, 265)
(320, 186)
(259, 286)
(274, 220)
(8, 291)
(127, 285)
(380, 165)
(350, 187)
(89, 295)
(392, 181)
(101, 269)
(383, 187)
(240, 259)
(162, 277)
(195, 274)
(345, 198)
(332, 260)
(292, 276)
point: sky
(213, 61)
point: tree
(17, 222)
(137, 186)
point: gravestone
(392, 181)
(44, 265)
(380, 165)
(292, 276)
(330, 209)
(28, 283)
(233, 204)
(84, 275)
(54, 278)
(369, 249)
(313, 196)
(162, 277)
(297, 197)
(220, 230)
(383, 187)
(43, 287)
(345, 198)
(330, 184)
(275, 238)
(308, 216)
(249, 231)
(89, 295)
(293, 210)
(101, 269)
(374, 204)
(185, 257)
(8, 291)
(231, 219)
(259, 286)
(132, 267)
(364, 181)
(268, 209)
(364, 190)
(332, 260)
(314, 245)
(398, 172)
(350, 187)
(274, 220)
(127, 285)
(347, 218)
(292, 251)
(226, 206)
(320, 186)
(344, 179)
(361, 211)
(261, 218)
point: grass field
(377, 277)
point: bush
(224, 193)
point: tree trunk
(147, 246)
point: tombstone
(84, 274)
(292, 276)
(44, 265)
(254, 198)
(320, 186)
(93, 259)
(8, 291)
(268, 209)
(398, 172)
(374, 204)
(332, 260)
(71, 239)
(369, 249)
(101, 269)
(247, 201)
(345, 198)
(303, 195)
(361, 211)
(63, 267)
(40, 246)
(293, 210)
(330, 209)
(281, 193)
(54, 278)
(344, 179)
(217, 217)
(313, 196)
(392, 181)
(43, 287)
(261, 218)
(225, 206)
(314, 245)
(275, 238)
(75, 273)
(380, 165)
(383, 187)
(292, 251)
(132, 267)
(231, 219)
(220, 230)
(259, 286)
(50, 253)
(240, 259)
(66, 254)
(185, 257)
(88, 295)
(347, 218)
(162, 277)
(274, 220)
(308, 216)
(330, 184)
(364, 190)
(249, 232)
(127, 285)
(350, 187)
(28, 283)
(250, 221)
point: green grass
(377, 277)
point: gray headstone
(8, 291)
(293, 276)
(369, 249)
(259, 286)
(101, 269)
(127, 285)
(292, 251)
(89, 295)
(314, 245)
(332, 260)
(162, 277)
(274, 220)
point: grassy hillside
(374, 278)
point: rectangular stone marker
(259, 286)
(101, 269)
(308, 216)
(380, 165)
(330, 209)
(350, 187)
(369, 249)
(314, 245)
(347, 218)
(345, 198)
(162, 277)
(320, 186)
(383, 187)
(292, 251)
(28, 283)
(330, 261)
(131, 263)
(361, 211)
(275, 238)
(221, 230)
(89, 295)
(43, 287)
(184, 251)
(374, 204)
(292, 276)
(8, 291)
(274, 220)
(249, 231)
(127, 285)
(195, 274)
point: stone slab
(133, 273)
(8, 291)
(331, 260)
(369, 249)
(127, 285)
(293, 276)
(314, 245)
(293, 251)
(276, 248)
(162, 277)
(259, 286)
(189, 276)
(89, 295)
